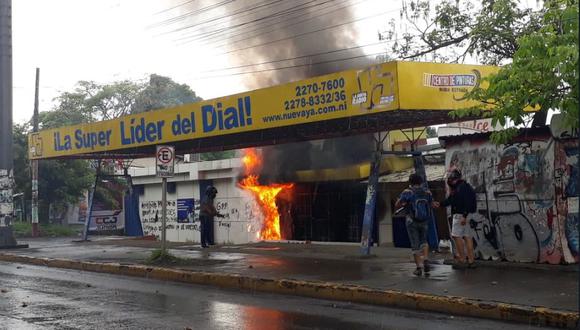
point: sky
(111, 40)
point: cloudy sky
(109, 40)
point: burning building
(265, 196)
(314, 194)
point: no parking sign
(165, 161)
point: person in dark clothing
(206, 214)
(463, 202)
(417, 202)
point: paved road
(34, 297)
(390, 269)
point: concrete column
(6, 163)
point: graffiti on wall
(6, 206)
(183, 215)
(151, 216)
(527, 197)
(566, 188)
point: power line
(291, 66)
(192, 13)
(270, 16)
(244, 12)
(295, 58)
(177, 6)
(274, 16)
(305, 33)
(283, 27)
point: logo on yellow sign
(456, 83)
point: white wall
(386, 221)
(241, 222)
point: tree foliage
(21, 164)
(162, 92)
(539, 50)
(451, 30)
(543, 74)
(90, 101)
(64, 181)
(431, 132)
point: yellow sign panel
(384, 87)
(434, 86)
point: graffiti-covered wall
(6, 207)
(240, 223)
(527, 195)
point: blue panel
(185, 209)
(132, 220)
(370, 203)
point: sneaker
(459, 265)
(418, 271)
(426, 266)
(472, 265)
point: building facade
(241, 223)
(527, 194)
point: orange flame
(252, 161)
(266, 198)
(265, 195)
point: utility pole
(6, 159)
(6, 163)
(34, 163)
(163, 215)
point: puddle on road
(228, 315)
(263, 248)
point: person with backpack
(463, 202)
(418, 203)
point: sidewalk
(389, 268)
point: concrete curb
(322, 290)
(572, 268)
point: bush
(160, 258)
(24, 229)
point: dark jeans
(418, 232)
(206, 224)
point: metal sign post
(371, 200)
(34, 162)
(164, 168)
(370, 203)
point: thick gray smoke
(281, 161)
(312, 15)
(281, 20)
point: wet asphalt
(34, 297)
(390, 269)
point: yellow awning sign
(354, 172)
(385, 87)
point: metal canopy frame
(374, 123)
(377, 122)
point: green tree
(431, 132)
(64, 181)
(90, 101)
(539, 50)
(162, 92)
(542, 75)
(61, 181)
(451, 30)
(218, 155)
(21, 164)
